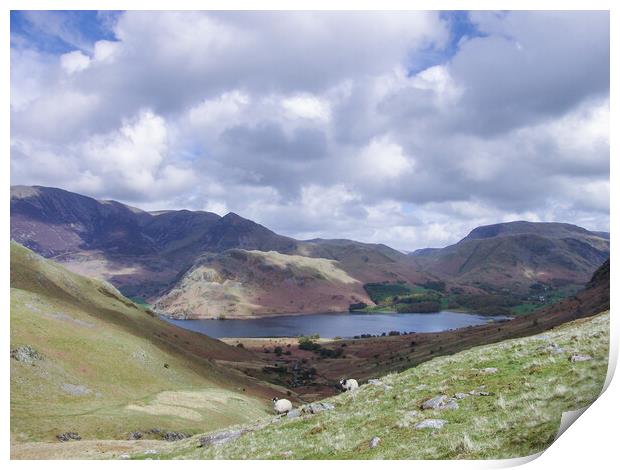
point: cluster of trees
(491, 304)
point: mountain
(140, 252)
(196, 264)
(79, 348)
(161, 256)
(519, 256)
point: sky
(403, 128)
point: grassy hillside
(88, 360)
(534, 382)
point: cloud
(322, 124)
(75, 61)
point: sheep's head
(275, 399)
(342, 382)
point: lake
(329, 325)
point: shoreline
(165, 317)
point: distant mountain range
(193, 264)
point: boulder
(314, 408)
(172, 436)
(489, 370)
(68, 436)
(434, 403)
(378, 383)
(221, 437)
(460, 395)
(295, 413)
(580, 358)
(26, 354)
(374, 442)
(441, 402)
(431, 424)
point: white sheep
(348, 385)
(281, 405)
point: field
(519, 389)
(94, 363)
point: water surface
(329, 325)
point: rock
(374, 442)
(123, 456)
(489, 370)
(314, 408)
(441, 402)
(378, 383)
(580, 358)
(287, 453)
(172, 436)
(431, 424)
(221, 437)
(552, 348)
(151, 452)
(68, 436)
(434, 403)
(460, 395)
(295, 413)
(451, 405)
(134, 436)
(479, 392)
(26, 354)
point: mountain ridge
(153, 254)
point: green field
(104, 367)
(534, 383)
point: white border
(590, 443)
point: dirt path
(81, 450)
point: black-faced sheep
(348, 385)
(281, 405)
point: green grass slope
(534, 383)
(107, 367)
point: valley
(104, 373)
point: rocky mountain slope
(519, 256)
(86, 360)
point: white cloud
(74, 61)
(105, 51)
(324, 124)
(383, 159)
(308, 107)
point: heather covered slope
(510, 397)
(518, 256)
(87, 360)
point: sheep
(348, 385)
(281, 406)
